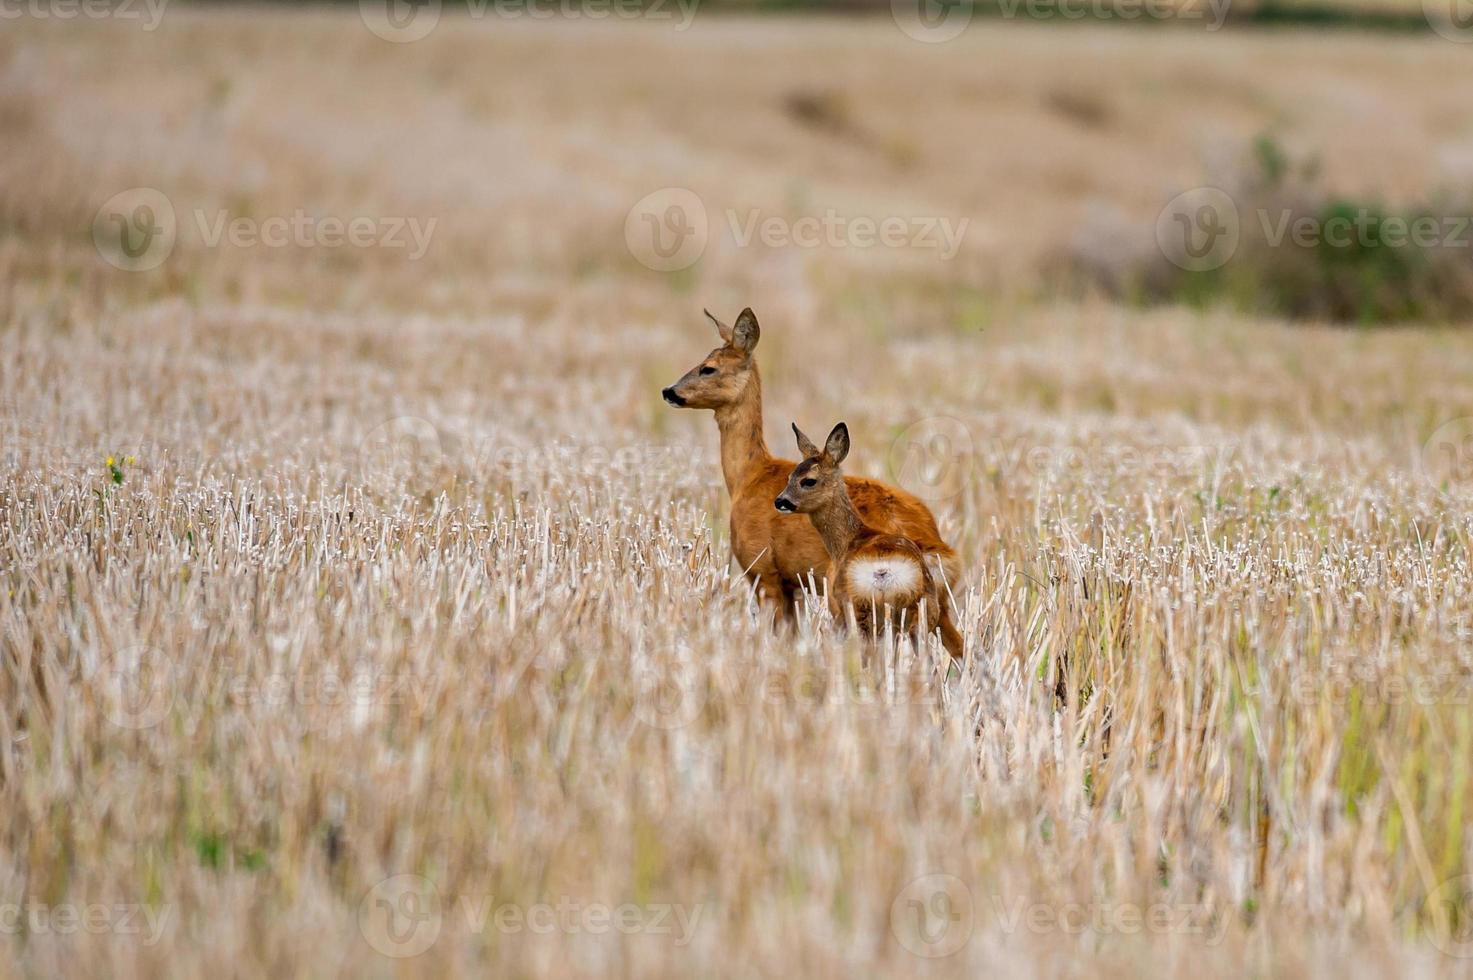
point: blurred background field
(1217, 522)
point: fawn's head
(722, 376)
(817, 480)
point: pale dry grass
(430, 583)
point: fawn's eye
(810, 482)
(708, 369)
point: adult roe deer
(879, 576)
(778, 552)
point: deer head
(721, 377)
(817, 481)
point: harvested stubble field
(357, 606)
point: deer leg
(938, 609)
(773, 592)
(951, 639)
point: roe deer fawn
(778, 553)
(880, 575)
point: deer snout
(670, 395)
(785, 505)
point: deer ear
(837, 446)
(721, 328)
(745, 333)
(805, 444)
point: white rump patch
(883, 578)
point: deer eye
(810, 482)
(708, 369)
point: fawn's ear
(837, 446)
(745, 333)
(805, 444)
(721, 328)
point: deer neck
(838, 523)
(742, 443)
